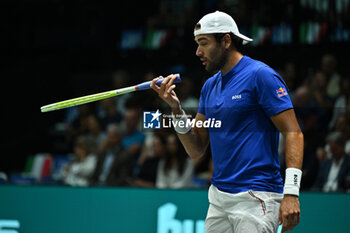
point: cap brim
(243, 37)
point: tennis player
(251, 101)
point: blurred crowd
(111, 148)
(104, 144)
(322, 105)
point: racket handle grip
(147, 85)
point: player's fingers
(154, 86)
(171, 88)
(168, 90)
(163, 86)
(292, 220)
(284, 223)
(166, 84)
(169, 84)
(289, 224)
(171, 80)
(173, 94)
(298, 218)
(280, 217)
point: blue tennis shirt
(245, 148)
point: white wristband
(292, 181)
(180, 124)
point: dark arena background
(52, 179)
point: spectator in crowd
(108, 113)
(79, 171)
(329, 68)
(340, 103)
(310, 163)
(203, 170)
(189, 103)
(311, 103)
(133, 138)
(95, 129)
(147, 147)
(334, 172)
(307, 114)
(148, 166)
(347, 117)
(175, 169)
(343, 125)
(322, 100)
(79, 125)
(289, 74)
(120, 79)
(3, 177)
(114, 164)
(313, 109)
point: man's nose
(199, 52)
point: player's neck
(233, 58)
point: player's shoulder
(260, 68)
(264, 72)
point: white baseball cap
(218, 22)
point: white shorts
(245, 212)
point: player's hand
(167, 93)
(289, 213)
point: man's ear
(227, 41)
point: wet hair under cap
(237, 42)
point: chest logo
(235, 97)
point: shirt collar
(238, 67)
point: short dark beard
(217, 64)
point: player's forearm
(193, 145)
(294, 149)
(195, 140)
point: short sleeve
(271, 91)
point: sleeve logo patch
(281, 92)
